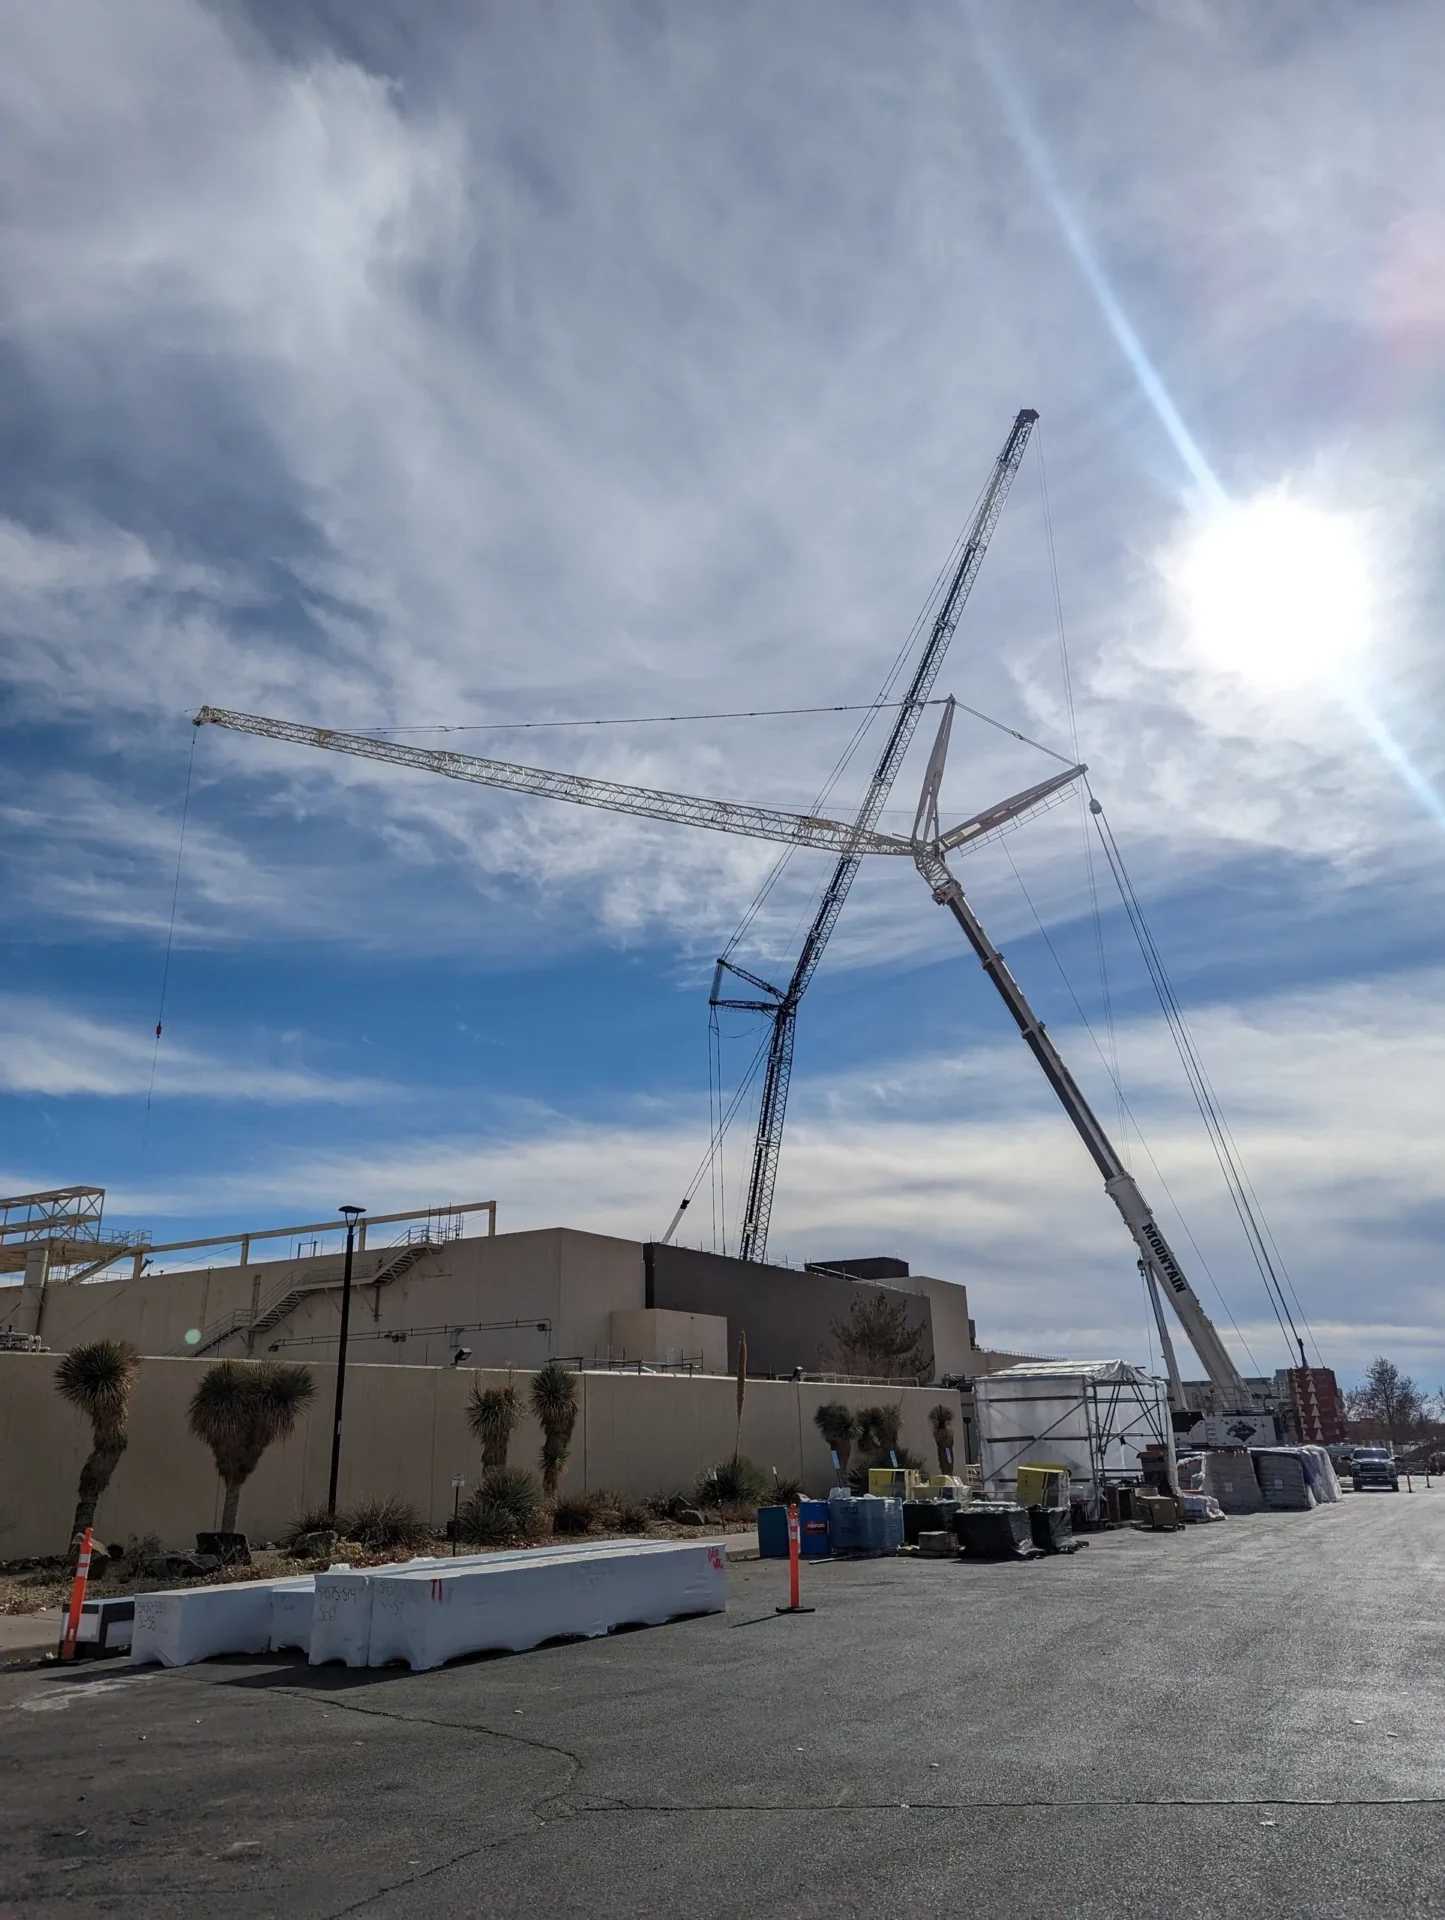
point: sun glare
(1276, 591)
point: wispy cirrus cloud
(48, 1048)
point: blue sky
(381, 368)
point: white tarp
(438, 1614)
(343, 1603)
(1092, 1417)
(196, 1623)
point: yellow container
(897, 1481)
(1042, 1484)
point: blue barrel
(812, 1530)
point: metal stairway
(271, 1311)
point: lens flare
(1276, 591)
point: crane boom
(648, 803)
(722, 816)
(1155, 1252)
(772, 1108)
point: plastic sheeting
(197, 1623)
(1093, 1417)
(1282, 1479)
(432, 1616)
(1228, 1476)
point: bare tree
(1388, 1401)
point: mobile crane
(928, 846)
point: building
(433, 1290)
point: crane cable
(171, 930)
(1258, 1234)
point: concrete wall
(405, 1433)
(561, 1287)
(671, 1339)
(787, 1315)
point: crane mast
(1155, 1254)
(782, 1005)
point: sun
(1276, 591)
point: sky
(463, 367)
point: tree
(97, 1378)
(554, 1401)
(836, 1424)
(492, 1415)
(238, 1409)
(876, 1337)
(940, 1418)
(1388, 1400)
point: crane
(648, 803)
(1156, 1258)
(928, 846)
(782, 1004)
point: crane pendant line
(772, 1107)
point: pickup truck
(1375, 1467)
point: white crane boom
(648, 803)
(1155, 1253)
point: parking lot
(1240, 1720)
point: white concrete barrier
(196, 1623)
(434, 1615)
(342, 1612)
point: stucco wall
(405, 1433)
(571, 1281)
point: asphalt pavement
(1243, 1720)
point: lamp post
(351, 1214)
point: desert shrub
(735, 1482)
(633, 1516)
(576, 1513)
(314, 1520)
(877, 1428)
(505, 1509)
(879, 1457)
(384, 1523)
(784, 1492)
(666, 1506)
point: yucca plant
(554, 1402)
(940, 1418)
(492, 1415)
(97, 1378)
(238, 1409)
(505, 1509)
(877, 1428)
(838, 1427)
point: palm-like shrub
(238, 1409)
(492, 1415)
(505, 1509)
(940, 1418)
(877, 1428)
(838, 1427)
(97, 1378)
(554, 1402)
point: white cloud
(49, 1049)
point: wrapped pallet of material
(995, 1530)
(1282, 1480)
(508, 1605)
(1320, 1472)
(197, 1623)
(1228, 1476)
(1200, 1506)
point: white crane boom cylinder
(1119, 1184)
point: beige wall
(670, 1339)
(405, 1433)
(948, 1302)
(572, 1281)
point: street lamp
(351, 1214)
